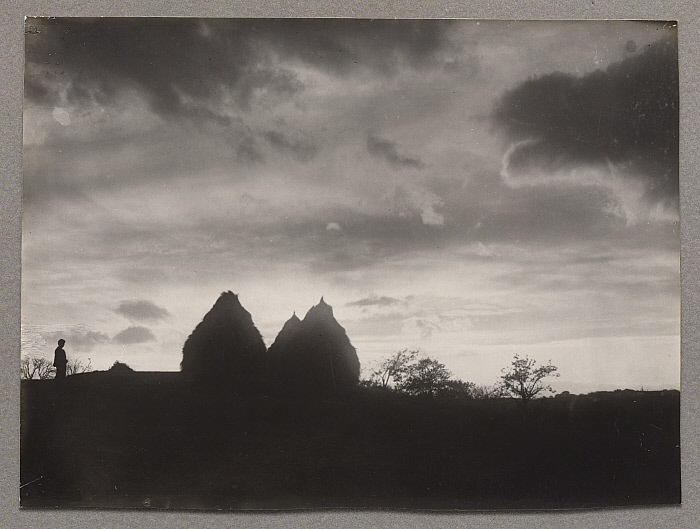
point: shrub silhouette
(120, 368)
(314, 355)
(225, 346)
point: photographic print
(274, 264)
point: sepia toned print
(337, 263)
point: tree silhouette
(40, 368)
(36, 367)
(457, 390)
(404, 372)
(426, 377)
(75, 366)
(392, 371)
(523, 379)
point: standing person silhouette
(60, 360)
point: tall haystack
(281, 344)
(225, 346)
(317, 357)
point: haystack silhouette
(225, 346)
(314, 355)
(281, 344)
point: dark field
(153, 440)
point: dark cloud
(183, 66)
(343, 46)
(374, 300)
(141, 310)
(176, 64)
(626, 114)
(301, 151)
(134, 334)
(248, 152)
(386, 150)
(77, 339)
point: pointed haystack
(226, 345)
(284, 338)
(318, 357)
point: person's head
(61, 342)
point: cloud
(61, 115)
(364, 241)
(141, 310)
(553, 214)
(624, 117)
(38, 339)
(87, 340)
(302, 151)
(190, 67)
(387, 151)
(342, 47)
(428, 321)
(374, 300)
(184, 97)
(177, 67)
(407, 200)
(133, 335)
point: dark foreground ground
(151, 440)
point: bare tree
(75, 366)
(36, 368)
(392, 371)
(27, 369)
(32, 368)
(523, 379)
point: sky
(471, 189)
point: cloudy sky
(472, 189)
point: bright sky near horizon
(472, 189)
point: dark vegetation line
(161, 440)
